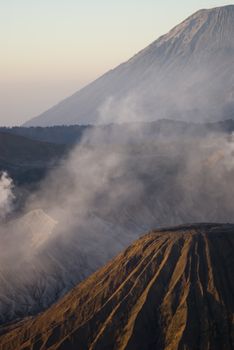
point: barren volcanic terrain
(171, 289)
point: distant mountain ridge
(25, 159)
(186, 74)
(121, 133)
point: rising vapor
(6, 195)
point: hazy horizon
(52, 49)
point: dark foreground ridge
(172, 289)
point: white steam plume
(6, 195)
(106, 193)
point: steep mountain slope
(22, 280)
(172, 289)
(38, 264)
(185, 74)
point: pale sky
(51, 48)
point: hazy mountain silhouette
(185, 74)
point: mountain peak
(188, 69)
(217, 9)
(207, 28)
(35, 227)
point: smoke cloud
(6, 195)
(119, 182)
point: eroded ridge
(171, 289)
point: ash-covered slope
(37, 226)
(25, 283)
(171, 289)
(185, 74)
(38, 265)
